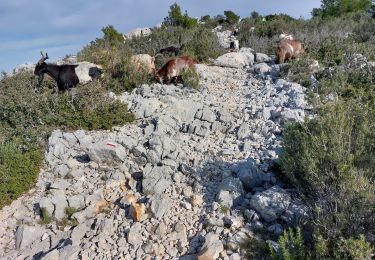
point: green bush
(354, 249)
(291, 246)
(18, 170)
(330, 160)
(27, 118)
(190, 79)
(120, 74)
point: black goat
(65, 75)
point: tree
(231, 17)
(254, 15)
(206, 18)
(176, 18)
(111, 35)
(337, 8)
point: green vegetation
(27, 118)
(176, 18)
(329, 159)
(45, 217)
(336, 8)
(70, 211)
(291, 246)
(190, 79)
(18, 170)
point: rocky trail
(189, 179)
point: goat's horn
(43, 57)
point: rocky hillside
(190, 178)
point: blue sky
(64, 27)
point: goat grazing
(288, 49)
(67, 76)
(173, 68)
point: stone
(211, 248)
(180, 230)
(235, 60)
(271, 203)
(156, 179)
(135, 235)
(243, 131)
(46, 203)
(276, 229)
(206, 114)
(128, 142)
(251, 215)
(76, 174)
(160, 205)
(146, 107)
(76, 201)
(261, 68)
(261, 57)
(107, 151)
(79, 232)
(60, 202)
(197, 200)
(237, 239)
(250, 176)
(230, 192)
(161, 230)
(26, 235)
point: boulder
(250, 175)
(261, 57)
(134, 235)
(236, 59)
(107, 151)
(160, 205)
(26, 235)
(156, 179)
(271, 203)
(211, 248)
(146, 107)
(230, 192)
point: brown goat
(288, 49)
(173, 68)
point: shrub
(27, 118)
(291, 246)
(18, 170)
(190, 79)
(330, 160)
(354, 249)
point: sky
(65, 27)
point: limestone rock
(107, 152)
(211, 248)
(271, 203)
